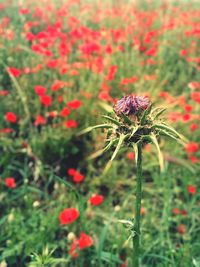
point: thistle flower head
(135, 122)
(130, 105)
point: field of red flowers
(64, 64)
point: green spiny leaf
(160, 155)
(112, 120)
(160, 111)
(121, 140)
(145, 114)
(170, 129)
(89, 129)
(126, 119)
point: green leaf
(126, 119)
(89, 129)
(134, 131)
(106, 107)
(160, 155)
(160, 111)
(112, 120)
(165, 133)
(101, 151)
(121, 140)
(145, 114)
(170, 129)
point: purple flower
(130, 105)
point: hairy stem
(136, 238)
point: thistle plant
(134, 123)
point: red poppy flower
(192, 147)
(193, 159)
(40, 90)
(6, 130)
(176, 211)
(64, 112)
(183, 212)
(131, 155)
(24, 11)
(14, 71)
(40, 120)
(53, 114)
(11, 117)
(181, 229)
(193, 127)
(78, 177)
(85, 241)
(194, 85)
(10, 182)
(70, 124)
(46, 100)
(71, 172)
(96, 200)
(142, 211)
(4, 93)
(196, 97)
(74, 104)
(188, 108)
(68, 216)
(191, 189)
(73, 250)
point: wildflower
(183, 212)
(181, 229)
(10, 182)
(192, 147)
(193, 159)
(130, 105)
(85, 241)
(70, 124)
(78, 177)
(96, 200)
(131, 155)
(14, 71)
(194, 85)
(176, 211)
(193, 127)
(68, 216)
(73, 249)
(71, 171)
(40, 120)
(64, 112)
(75, 104)
(40, 90)
(196, 97)
(6, 130)
(46, 100)
(4, 93)
(142, 211)
(11, 117)
(191, 189)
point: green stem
(136, 238)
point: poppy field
(82, 83)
